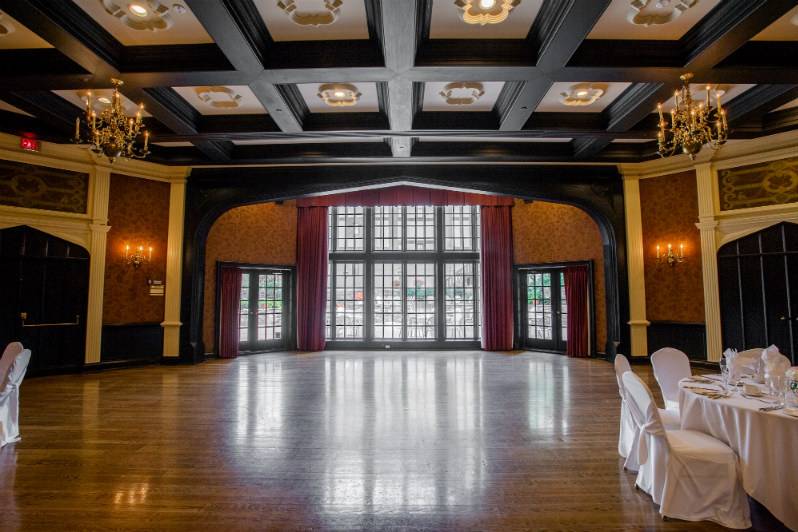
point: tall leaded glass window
(403, 274)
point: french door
(543, 309)
(264, 309)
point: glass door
(543, 309)
(264, 309)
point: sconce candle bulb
(670, 257)
(137, 257)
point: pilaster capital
(707, 225)
(99, 228)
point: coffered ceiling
(239, 81)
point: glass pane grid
(388, 301)
(270, 306)
(460, 298)
(420, 291)
(243, 309)
(350, 228)
(539, 311)
(460, 225)
(388, 228)
(349, 300)
(420, 228)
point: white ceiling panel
(433, 101)
(615, 22)
(551, 103)
(229, 100)
(446, 22)
(349, 22)
(368, 102)
(784, 29)
(14, 35)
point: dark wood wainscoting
(131, 343)
(688, 337)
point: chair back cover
(18, 368)
(670, 366)
(621, 367)
(9, 354)
(644, 410)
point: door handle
(24, 316)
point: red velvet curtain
(230, 290)
(311, 282)
(497, 283)
(576, 296)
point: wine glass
(725, 372)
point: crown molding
(754, 151)
(79, 159)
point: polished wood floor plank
(328, 441)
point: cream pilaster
(707, 224)
(638, 324)
(101, 183)
(174, 268)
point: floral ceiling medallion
(656, 12)
(462, 92)
(218, 97)
(582, 94)
(485, 11)
(143, 15)
(327, 15)
(6, 27)
(339, 94)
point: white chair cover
(670, 366)
(9, 354)
(746, 362)
(630, 431)
(690, 475)
(9, 397)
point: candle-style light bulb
(681, 250)
(127, 250)
(150, 253)
(77, 128)
(146, 139)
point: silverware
(771, 408)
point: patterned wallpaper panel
(756, 185)
(669, 208)
(41, 187)
(264, 233)
(553, 232)
(138, 213)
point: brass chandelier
(112, 133)
(693, 123)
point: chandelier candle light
(112, 133)
(693, 123)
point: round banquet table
(765, 442)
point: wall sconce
(136, 257)
(670, 257)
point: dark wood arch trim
(598, 190)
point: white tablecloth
(766, 442)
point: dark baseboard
(691, 338)
(126, 342)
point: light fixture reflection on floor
(111, 132)
(693, 123)
(485, 11)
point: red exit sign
(29, 144)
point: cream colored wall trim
(736, 153)
(706, 177)
(174, 268)
(90, 230)
(637, 285)
(80, 159)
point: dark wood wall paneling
(691, 338)
(131, 343)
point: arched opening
(758, 282)
(44, 281)
(212, 192)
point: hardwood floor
(336, 440)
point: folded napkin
(775, 363)
(746, 362)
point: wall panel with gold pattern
(758, 185)
(42, 187)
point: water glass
(776, 386)
(724, 372)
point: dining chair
(670, 366)
(9, 353)
(9, 397)
(690, 475)
(629, 429)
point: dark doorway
(758, 281)
(265, 308)
(44, 285)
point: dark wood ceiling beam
(779, 121)
(756, 102)
(47, 107)
(557, 32)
